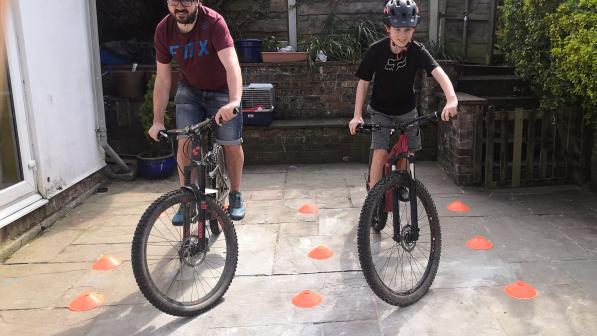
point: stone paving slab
(37, 286)
(545, 236)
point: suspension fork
(198, 193)
(412, 196)
(412, 191)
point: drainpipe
(292, 27)
(97, 87)
(465, 27)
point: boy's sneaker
(178, 218)
(236, 207)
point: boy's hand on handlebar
(353, 124)
(450, 110)
(155, 129)
(226, 113)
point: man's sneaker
(178, 218)
(236, 208)
(403, 194)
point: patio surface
(545, 236)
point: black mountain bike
(185, 269)
(399, 236)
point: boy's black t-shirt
(393, 87)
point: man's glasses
(184, 3)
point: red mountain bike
(399, 236)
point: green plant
(573, 32)
(438, 51)
(345, 47)
(146, 109)
(552, 45)
(269, 44)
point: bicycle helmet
(401, 14)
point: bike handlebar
(403, 126)
(191, 129)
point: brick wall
(456, 140)
(305, 94)
(287, 142)
(305, 91)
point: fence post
(517, 154)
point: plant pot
(281, 57)
(156, 165)
(248, 50)
(129, 84)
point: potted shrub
(159, 161)
(271, 52)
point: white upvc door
(18, 191)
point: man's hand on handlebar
(155, 129)
(226, 113)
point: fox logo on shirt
(393, 64)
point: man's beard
(188, 20)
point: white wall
(58, 78)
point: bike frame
(200, 137)
(396, 155)
(198, 190)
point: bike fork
(412, 195)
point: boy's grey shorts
(381, 139)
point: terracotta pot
(280, 57)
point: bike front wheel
(399, 268)
(177, 271)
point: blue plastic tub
(155, 167)
(249, 50)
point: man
(197, 38)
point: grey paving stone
(557, 310)
(34, 286)
(442, 312)
(257, 244)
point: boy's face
(401, 36)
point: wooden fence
(529, 147)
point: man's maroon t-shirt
(196, 51)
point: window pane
(10, 162)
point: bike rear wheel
(399, 273)
(174, 271)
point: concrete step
(511, 102)
(481, 70)
(493, 85)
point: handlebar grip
(368, 128)
(163, 136)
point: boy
(394, 61)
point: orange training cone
(520, 290)
(321, 252)
(306, 299)
(309, 208)
(86, 301)
(105, 263)
(479, 243)
(458, 206)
